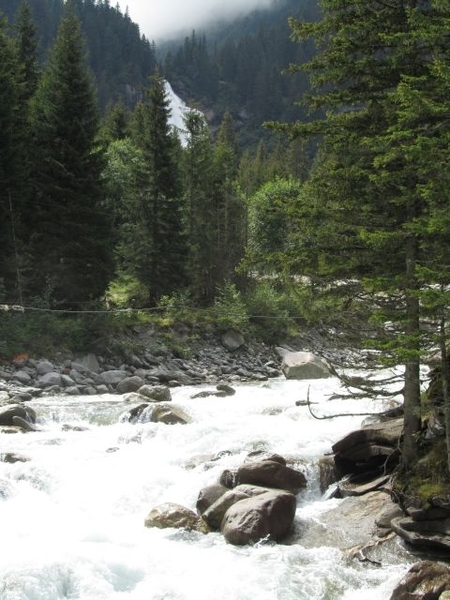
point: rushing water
(72, 517)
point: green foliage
(69, 235)
(273, 314)
(230, 311)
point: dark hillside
(119, 56)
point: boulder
(169, 515)
(129, 384)
(271, 474)
(155, 393)
(267, 516)
(426, 580)
(169, 414)
(232, 340)
(427, 529)
(50, 379)
(87, 363)
(208, 495)
(215, 513)
(22, 377)
(44, 366)
(9, 411)
(112, 377)
(303, 365)
(373, 446)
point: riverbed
(72, 516)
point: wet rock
(169, 414)
(267, 516)
(43, 367)
(22, 377)
(271, 474)
(12, 457)
(374, 445)
(9, 411)
(215, 513)
(171, 515)
(426, 580)
(23, 424)
(156, 393)
(208, 495)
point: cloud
(159, 19)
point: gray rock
(129, 384)
(44, 366)
(303, 365)
(155, 393)
(267, 516)
(22, 377)
(9, 411)
(88, 363)
(113, 377)
(50, 379)
(233, 340)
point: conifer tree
(69, 246)
(373, 194)
(159, 244)
(200, 217)
(229, 203)
(10, 162)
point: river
(72, 517)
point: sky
(160, 19)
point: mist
(163, 19)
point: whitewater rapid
(72, 516)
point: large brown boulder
(267, 516)
(215, 513)
(426, 580)
(271, 474)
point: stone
(169, 414)
(155, 393)
(88, 362)
(9, 411)
(50, 379)
(113, 377)
(129, 384)
(171, 515)
(303, 365)
(425, 580)
(232, 340)
(208, 495)
(267, 516)
(22, 377)
(44, 366)
(271, 474)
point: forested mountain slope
(119, 56)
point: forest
(341, 224)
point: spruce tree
(372, 194)
(70, 242)
(11, 149)
(199, 214)
(159, 244)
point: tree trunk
(412, 420)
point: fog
(162, 19)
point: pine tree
(11, 148)
(70, 251)
(200, 217)
(372, 188)
(160, 246)
(229, 203)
